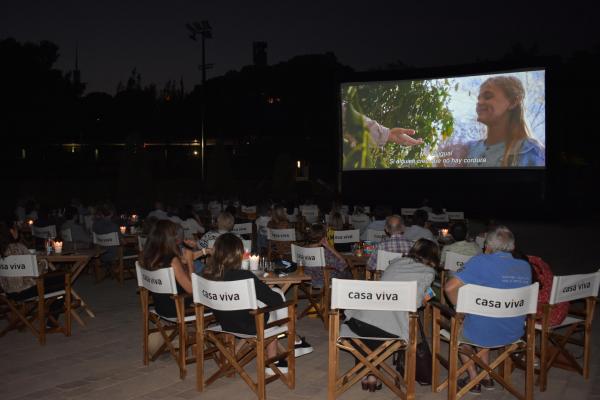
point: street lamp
(205, 31)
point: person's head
(263, 210)
(500, 239)
(162, 244)
(8, 234)
(279, 214)
(420, 217)
(381, 212)
(105, 211)
(316, 233)
(228, 252)
(225, 221)
(426, 252)
(394, 225)
(71, 213)
(231, 209)
(158, 205)
(336, 221)
(458, 231)
(501, 101)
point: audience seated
(419, 265)
(395, 242)
(460, 246)
(279, 220)
(496, 268)
(162, 250)
(159, 211)
(224, 265)
(317, 237)
(81, 238)
(381, 213)
(225, 222)
(418, 229)
(190, 223)
(104, 224)
(263, 217)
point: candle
(254, 262)
(444, 232)
(30, 222)
(134, 218)
(57, 247)
(123, 229)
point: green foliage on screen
(418, 105)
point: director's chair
(448, 326)
(402, 296)
(235, 350)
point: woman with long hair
(163, 250)
(225, 265)
(508, 142)
(419, 265)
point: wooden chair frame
(169, 331)
(318, 299)
(446, 318)
(374, 363)
(235, 352)
(35, 310)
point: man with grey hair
(395, 241)
(225, 222)
(496, 268)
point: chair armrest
(446, 310)
(265, 310)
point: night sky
(116, 36)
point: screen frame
(437, 73)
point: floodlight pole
(205, 30)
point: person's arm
(451, 288)
(181, 275)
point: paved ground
(104, 360)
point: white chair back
(19, 266)
(141, 242)
(310, 214)
(454, 261)
(249, 209)
(310, 257)
(359, 221)
(106, 239)
(385, 258)
(497, 303)
(375, 236)
(574, 287)
(349, 294)
(225, 295)
(214, 208)
(438, 218)
(455, 215)
(66, 235)
(282, 235)
(349, 236)
(407, 212)
(160, 281)
(46, 232)
(243, 229)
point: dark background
(121, 123)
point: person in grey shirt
(79, 236)
(418, 266)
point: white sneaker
(302, 347)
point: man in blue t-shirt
(498, 269)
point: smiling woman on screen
(508, 142)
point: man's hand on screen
(402, 136)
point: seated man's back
(497, 270)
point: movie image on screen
(480, 121)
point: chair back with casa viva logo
(160, 281)
(19, 266)
(497, 303)
(574, 287)
(311, 257)
(225, 295)
(351, 294)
